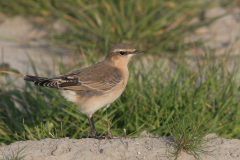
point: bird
(96, 86)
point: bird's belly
(69, 95)
(90, 104)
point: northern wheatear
(96, 86)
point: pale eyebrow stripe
(124, 50)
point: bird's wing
(95, 77)
(93, 82)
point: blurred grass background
(156, 25)
(157, 92)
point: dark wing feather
(103, 84)
(100, 76)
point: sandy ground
(18, 37)
(158, 148)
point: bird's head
(121, 53)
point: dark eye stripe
(123, 53)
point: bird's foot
(100, 136)
(86, 133)
(109, 135)
(106, 136)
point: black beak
(137, 52)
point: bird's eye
(122, 53)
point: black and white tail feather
(56, 82)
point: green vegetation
(189, 136)
(158, 95)
(154, 25)
(155, 94)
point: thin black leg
(91, 121)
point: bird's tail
(34, 78)
(41, 81)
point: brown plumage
(96, 86)
(95, 77)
